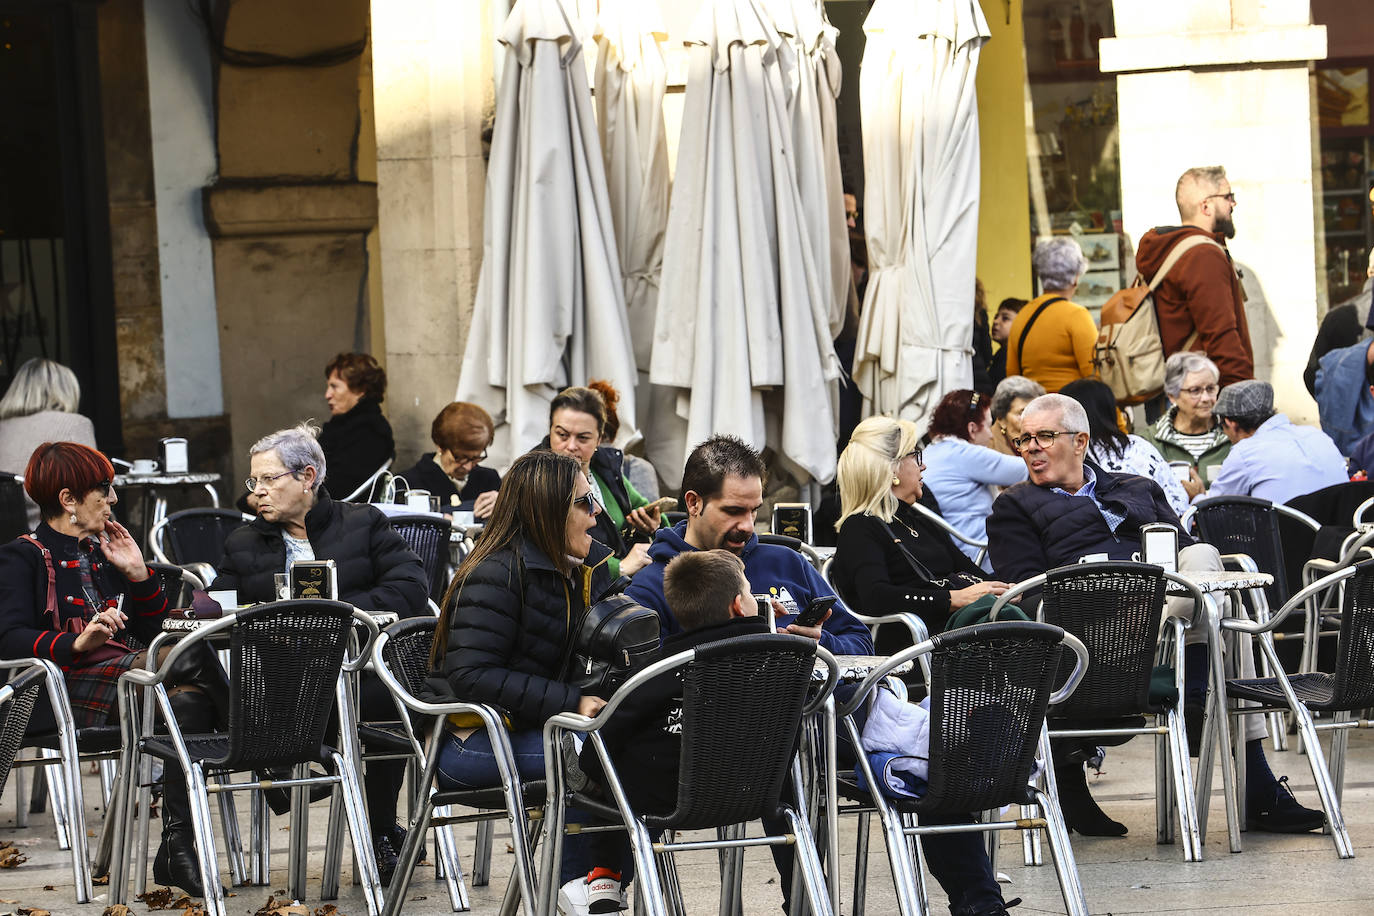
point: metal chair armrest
(1302, 597)
(915, 625)
(1298, 515)
(1015, 591)
(1080, 669)
(832, 677)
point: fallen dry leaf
(284, 907)
(117, 909)
(101, 881)
(10, 856)
(159, 899)
(49, 887)
(3, 900)
(32, 911)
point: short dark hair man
(1202, 293)
(1271, 457)
(1070, 510)
(722, 489)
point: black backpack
(616, 638)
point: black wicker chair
(14, 513)
(288, 662)
(16, 705)
(178, 583)
(405, 652)
(742, 704)
(428, 536)
(194, 538)
(399, 668)
(1115, 609)
(990, 687)
(1348, 688)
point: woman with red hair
(78, 593)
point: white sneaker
(604, 895)
(572, 898)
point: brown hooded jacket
(1203, 292)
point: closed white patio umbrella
(631, 78)
(550, 306)
(921, 161)
(744, 320)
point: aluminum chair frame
(69, 806)
(423, 815)
(953, 532)
(364, 489)
(899, 828)
(1360, 541)
(1328, 777)
(650, 895)
(1175, 794)
(345, 779)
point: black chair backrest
(990, 685)
(285, 659)
(1244, 524)
(741, 714)
(1333, 508)
(16, 705)
(1354, 681)
(198, 535)
(1115, 609)
(174, 584)
(14, 512)
(406, 652)
(428, 536)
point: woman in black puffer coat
(505, 635)
(375, 568)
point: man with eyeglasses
(1271, 457)
(1200, 302)
(1071, 510)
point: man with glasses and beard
(1200, 303)
(1071, 510)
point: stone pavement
(1289, 875)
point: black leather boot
(1081, 812)
(176, 864)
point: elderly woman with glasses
(453, 472)
(1052, 339)
(1189, 431)
(77, 593)
(963, 471)
(375, 569)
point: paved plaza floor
(1287, 875)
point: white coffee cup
(417, 500)
(144, 466)
(1181, 469)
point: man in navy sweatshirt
(722, 490)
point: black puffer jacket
(509, 631)
(377, 571)
(355, 445)
(1033, 529)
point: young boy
(709, 595)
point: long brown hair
(532, 505)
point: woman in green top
(578, 424)
(1189, 431)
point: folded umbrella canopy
(550, 307)
(631, 78)
(743, 320)
(920, 134)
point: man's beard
(1225, 225)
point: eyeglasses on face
(468, 461)
(588, 502)
(104, 487)
(917, 454)
(1044, 438)
(252, 482)
(1200, 390)
(1230, 197)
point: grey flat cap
(1249, 398)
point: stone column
(1225, 82)
(432, 86)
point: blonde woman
(888, 557)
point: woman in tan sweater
(1062, 334)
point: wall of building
(1206, 82)
(1004, 214)
(288, 216)
(432, 85)
(181, 109)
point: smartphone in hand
(815, 611)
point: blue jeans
(468, 763)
